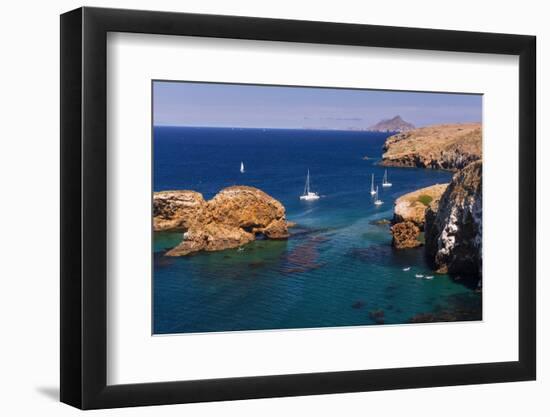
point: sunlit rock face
(405, 235)
(450, 147)
(412, 206)
(234, 217)
(453, 230)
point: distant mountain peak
(395, 124)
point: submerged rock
(405, 235)
(446, 316)
(451, 147)
(377, 254)
(234, 217)
(380, 222)
(453, 229)
(377, 316)
(303, 257)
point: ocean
(338, 267)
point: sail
(372, 184)
(242, 166)
(306, 188)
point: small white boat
(377, 201)
(407, 269)
(240, 249)
(242, 168)
(419, 276)
(429, 277)
(308, 194)
(385, 182)
(372, 191)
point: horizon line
(353, 129)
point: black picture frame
(84, 207)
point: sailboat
(242, 167)
(308, 195)
(377, 201)
(385, 182)
(372, 192)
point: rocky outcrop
(250, 209)
(450, 147)
(178, 210)
(405, 235)
(409, 215)
(234, 217)
(395, 124)
(453, 228)
(412, 206)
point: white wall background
(29, 177)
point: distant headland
(447, 146)
(395, 124)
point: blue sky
(233, 105)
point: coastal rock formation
(178, 210)
(450, 147)
(250, 209)
(453, 228)
(395, 124)
(409, 215)
(405, 235)
(229, 220)
(412, 206)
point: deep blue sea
(338, 267)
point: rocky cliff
(395, 124)
(234, 217)
(450, 147)
(409, 215)
(453, 228)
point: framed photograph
(257, 208)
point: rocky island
(234, 217)
(395, 124)
(449, 146)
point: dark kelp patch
(303, 257)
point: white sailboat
(385, 182)
(372, 191)
(242, 167)
(308, 194)
(377, 201)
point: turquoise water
(337, 269)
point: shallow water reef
(234, 217)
